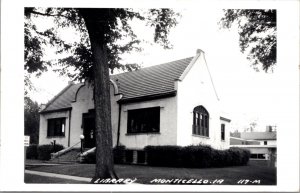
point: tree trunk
(103, 129)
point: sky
(246, 95)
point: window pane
(201, 121)
(56, 127)
(143, 120)
(222, 131)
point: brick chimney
(269, 128)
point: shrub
(119, 154)
(195, 156)
(164, 155)
(90, 158)
(31, 152)
(44, 151)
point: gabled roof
(259, 135)
(154, 80)
(158, 80)
(63, 99)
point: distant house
(168, 104)
(262, 145)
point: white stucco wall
(84, 102)
(176, 114)
(43, 138)
(167, 134)
(194, 90)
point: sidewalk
(33, 162)
(61, 176)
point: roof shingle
(150, 81)
(63, 99)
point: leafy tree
(105, 34)
(32, 120)
(257, 31)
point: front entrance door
(89, 130)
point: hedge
(195, 156)
(44, 151)
(31, 152)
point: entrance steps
(69, 155)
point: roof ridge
(145, 68)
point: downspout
(119, 123)
(69, 135)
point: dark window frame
(223, 132)
(200, 121)
(144, 120)
(54, 127)
(259, 156)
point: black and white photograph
(116, 96)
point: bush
(195, 156)
(44, 151)
(119, 154)
(164, 155)
(31, 152)
(90, 158)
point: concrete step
(69, 157)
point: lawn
(37, 179)
(256, 172)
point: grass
(145, 174)
(31, 178)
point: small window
(223, 132)
(143, 120)
(56, 127)
(265, 143)
(258, 156)
(200, 121)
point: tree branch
(47, 14)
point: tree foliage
(257, 31)
(119, 37)
(32, 119)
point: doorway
(89, 129)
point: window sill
(147, 133)
(223, 140)
(201, 136)
(55, 137)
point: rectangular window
(258, 156)
(143, 120)
(265, 143)
(56, 127)
(223, 132)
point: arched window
(200, 121)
